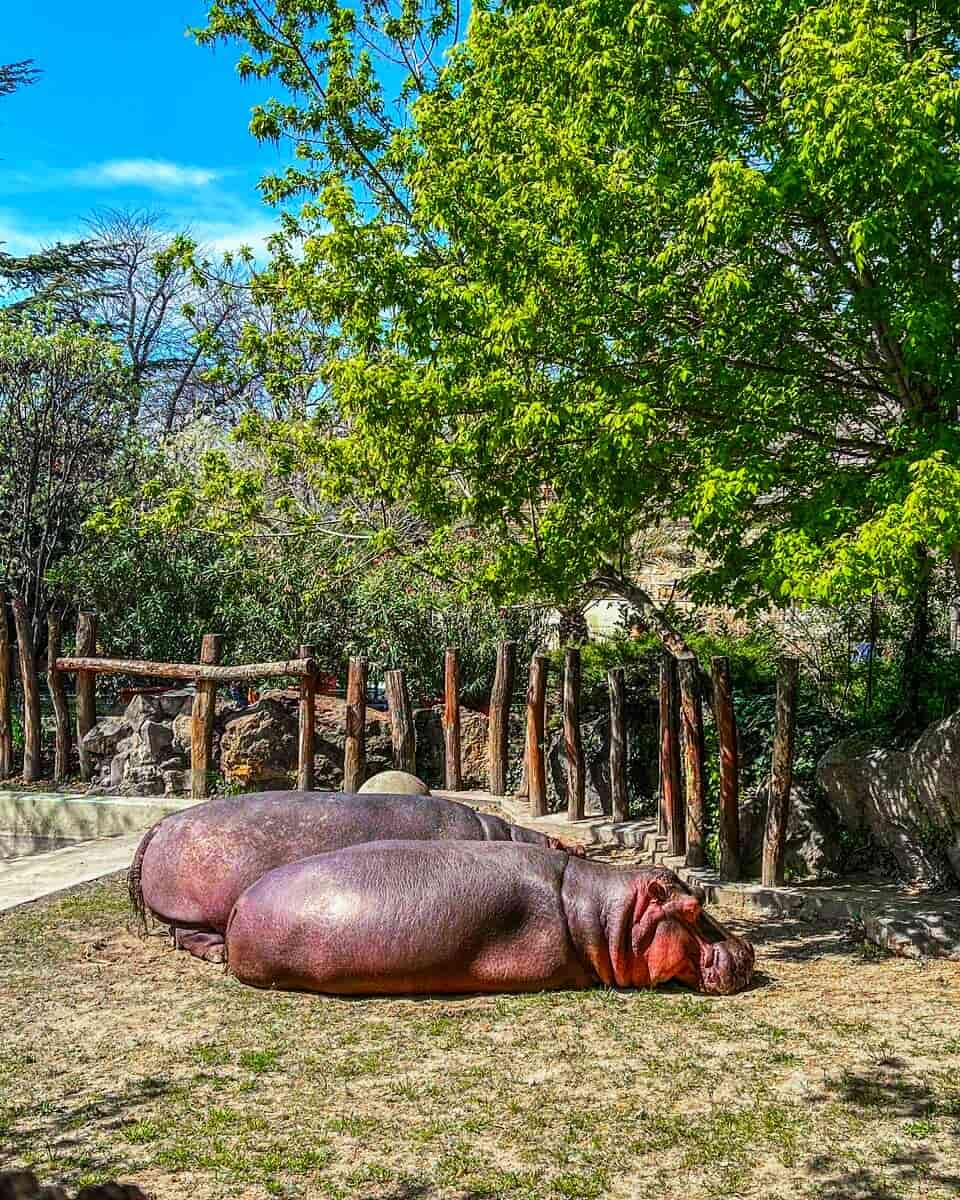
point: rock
(595, 734)
(178, 700)
(141, 781)
(397, 783)
(813, 849)
(182, 733)
(101, 741)
(174, 782)
(908, 801)
(18, 1185)
(156, 739)
(431, 752)
(258, 749)
(118, 765)
(330, 738)
(142, 708)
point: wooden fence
(682, 811)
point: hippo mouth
(674, 939)
(726, 961)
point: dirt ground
(836, 1076)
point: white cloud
(223, 238)
(144, 172)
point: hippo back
(195, 863)
(408, 917)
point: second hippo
(429, 917)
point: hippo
(191, 866)
(398, 917)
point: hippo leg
(201, 943)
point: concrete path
(25, 879)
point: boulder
(178, 700)
(258, 749)
(182, 730)
(101, 741)
(174, 782)
(907, 801)
(330, 739)
(142, 708)
(395, 783)
(431, 751)
(146, 780)
(813, 849)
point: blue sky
(128, 113)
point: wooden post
(355, 752)
(61, 711)
(729, 816)
(572, 741)
(6, 717)
(401, 722)
(691, 711)
(31, 692)
(616, 685)
(307, 723)
(499, 735)
(86, 685)
(453, 776)
(536, 724)
(672, 807)
(781, 775)
(204, 713)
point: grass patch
(837, 1077)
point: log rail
(207, 675)
(297, 667)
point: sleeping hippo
(417, 917)
(190, 868)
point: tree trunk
(618, 745)
(6, 714)
(355, 752)
(499, 734)
(86, 689)
(32, 762)
(307, 724)
(781, 775)
(204, 714)
(61, 711)
(612, 582)
(536, 723)
(691, 710)
(729, 816)
(573, 743)
(401, 722)
(916, 652)
(672, 805)
(453, 778)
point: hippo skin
(419, 917)
(190, 867)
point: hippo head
(673, 938)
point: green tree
(64, 441)
(637, 262)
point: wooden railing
(682, 808)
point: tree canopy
(613, 265)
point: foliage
(619, 264)
(64, 442)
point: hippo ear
(658, 890)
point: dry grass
(838, 1075)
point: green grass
(121, 1058)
